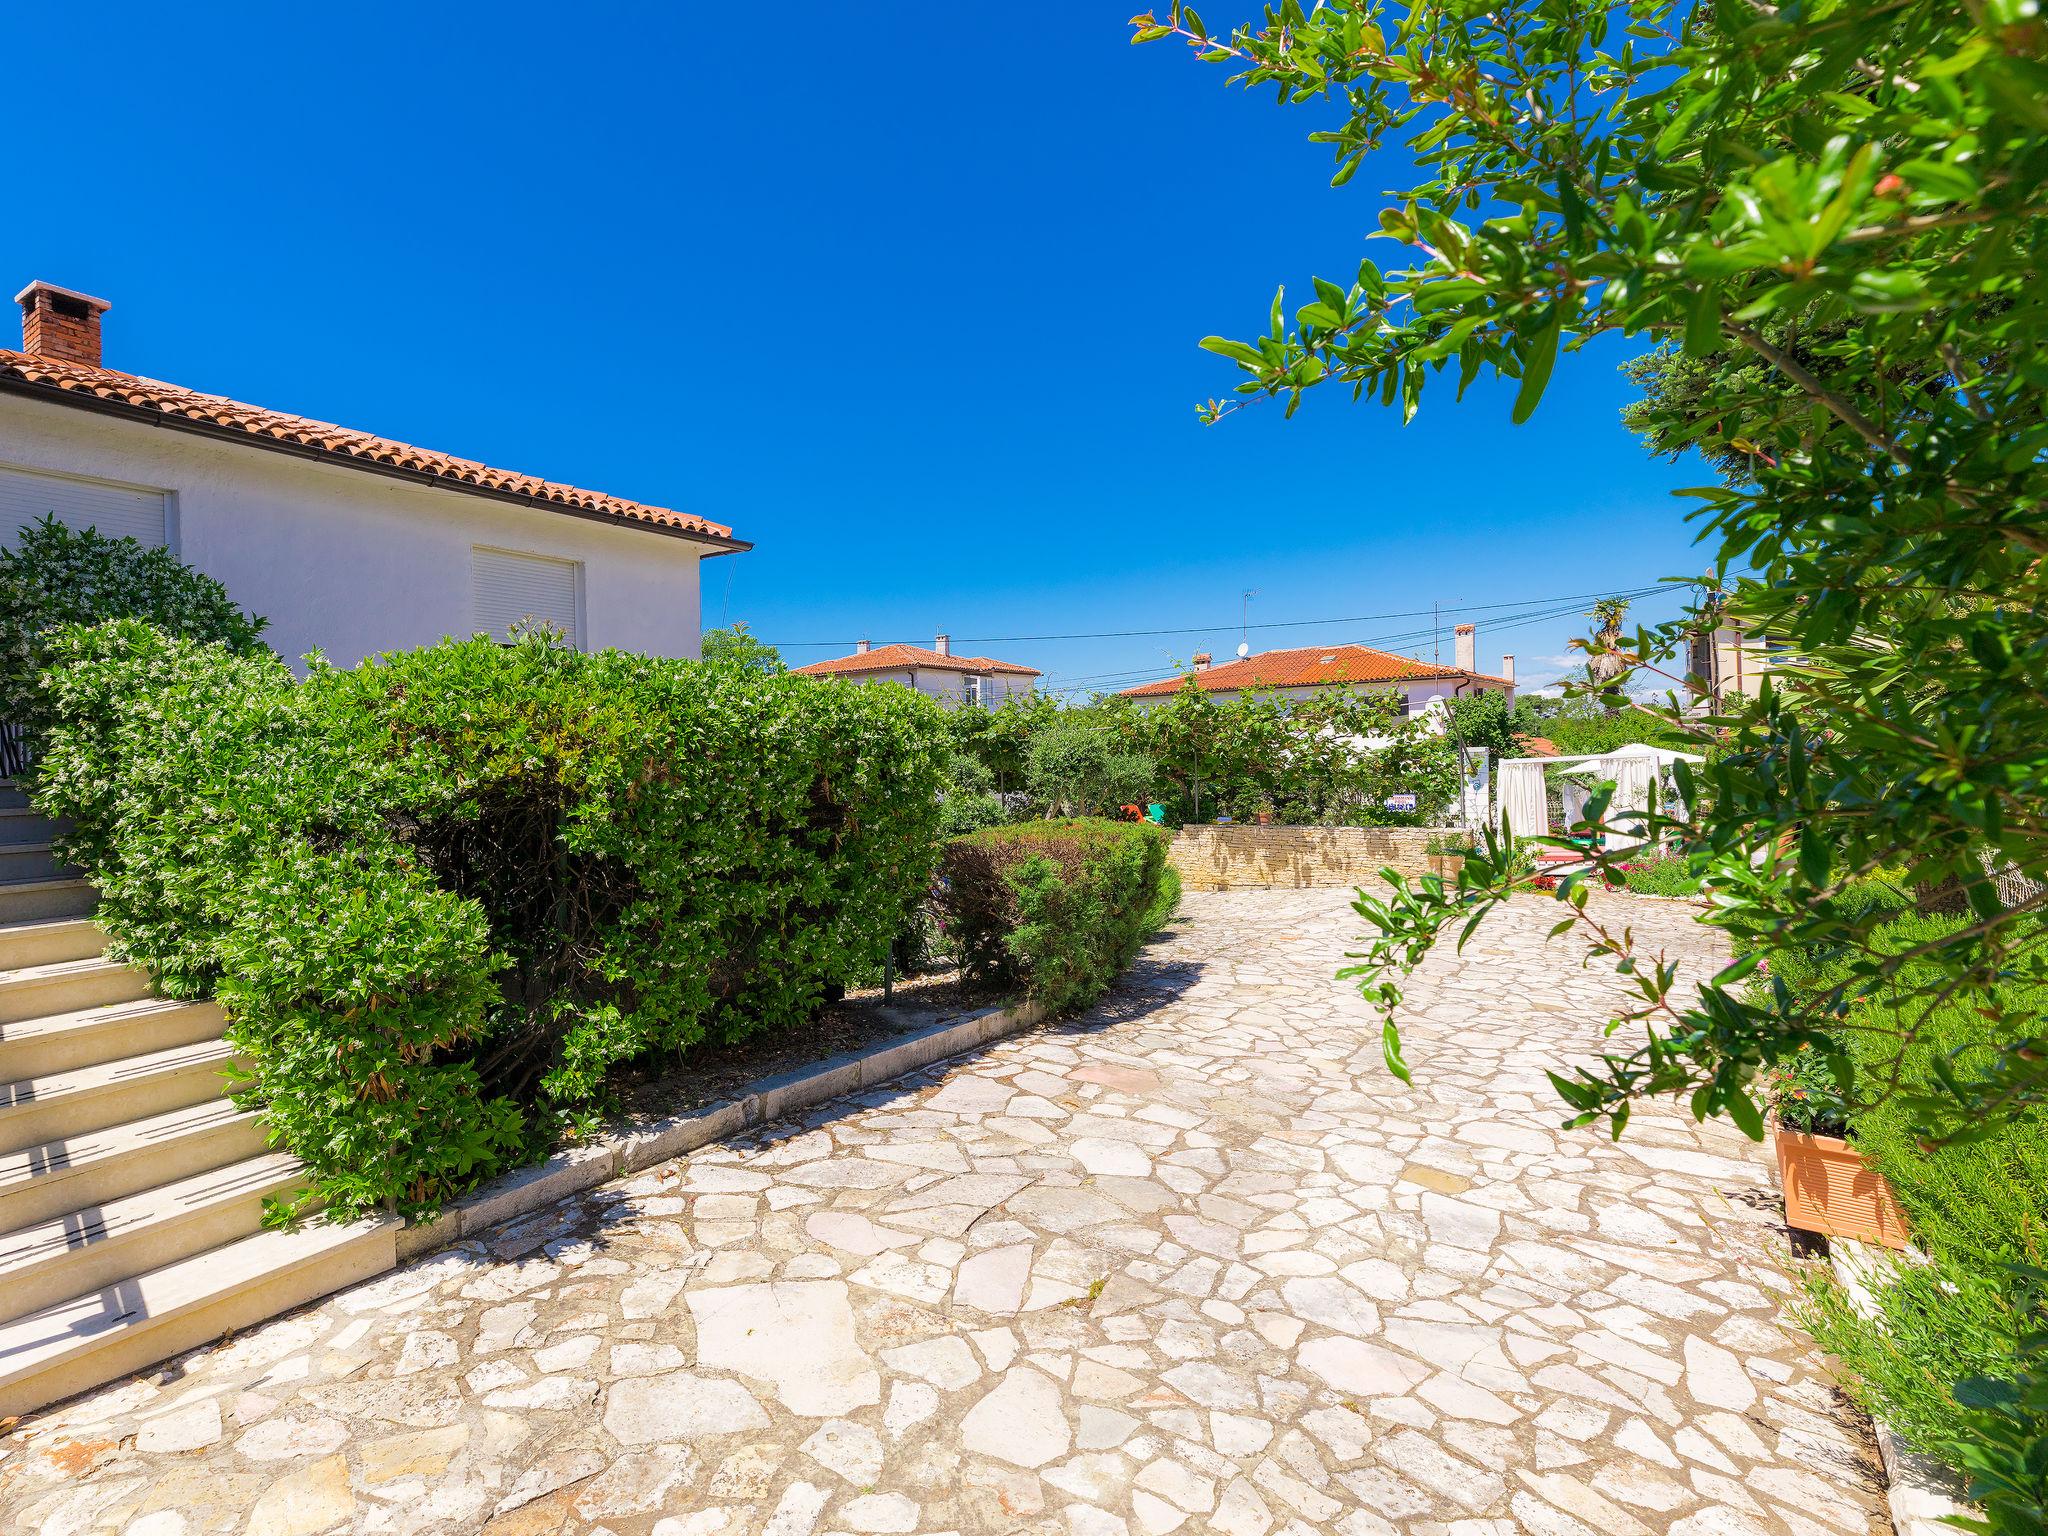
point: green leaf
(1703, 324)
(1536, 365)
(1237, 351)
(1743, 1111)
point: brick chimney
(1507, 668)
(58, 323)
(1202, 660)
(1467, 647)
(943, 645)
(860, 647)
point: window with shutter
(118, 511)
(512, 588)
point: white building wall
(1419, 694)
(351, 562)
(946, 686)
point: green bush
(1056, 907)
(441, 894)
(54, 577)
(1661, 877)
(960, 814)
(1958, 1354)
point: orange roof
(1538, 746)
(127, 394)
(1310, 666)
(896, 658)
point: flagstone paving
(1194, 1262)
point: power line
(1204, 629)
(1521, 620)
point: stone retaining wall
(1242, 857)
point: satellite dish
(1244, 648)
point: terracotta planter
(1829, 1189)
(1446, 865)
(1265, 818)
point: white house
(1306, 671)
(937, 672)
(348, 543)
(1725, 661)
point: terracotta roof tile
(1307, 667)
(78, 384)
(894, 658)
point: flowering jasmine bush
(54, 576)
(441, 894)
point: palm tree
(1604, 668)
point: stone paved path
(1193, 1263)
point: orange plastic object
(1829, 1189)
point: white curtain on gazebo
(1522, 800)
(1634, 770)
(1571, 796)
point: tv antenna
(1244, 622)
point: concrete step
(23, 824)
(33, 861)
(85, 1037)
(34, 991)
(12, 796)
(24, 901)
(52, 1261)
(60, 1177)
(48, 940)
(72, 1104)
(122, 1328)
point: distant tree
(1078, 768)
(1485, 720)
(1001, 738)
(1606, 663)
(739, 650)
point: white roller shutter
(512, 587)
(118, 511)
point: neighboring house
(1306, 671)
(937, 672)
(1724, 661)
(348, 543)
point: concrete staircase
(131, 1189)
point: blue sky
(909, 297)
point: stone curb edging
(1917, 1488)
(645, 1143)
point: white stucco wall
(947, 686)
(350, 562)
(1419, 694)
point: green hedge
(441, 894)
(1957, 1360)
(1057, 908)
(56, 576)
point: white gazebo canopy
(1633, 768)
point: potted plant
(1447, 856)
(1829, 1188)
(1265, 813)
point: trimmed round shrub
(1057, 908)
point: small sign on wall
(1401, 802)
